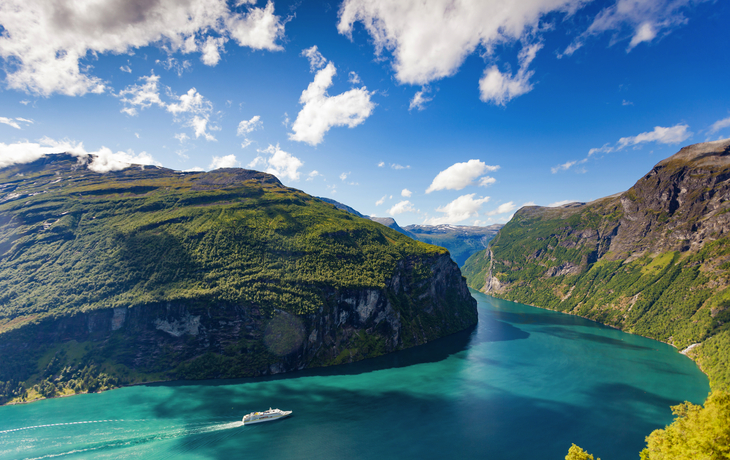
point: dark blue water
(524, 384)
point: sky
(427, 111)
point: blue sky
(429, 112)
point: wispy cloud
(719, 124)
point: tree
(576, 453)
(697, 433)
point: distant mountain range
(462, 241)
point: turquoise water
(524, 384)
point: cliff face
(653, 260)
(149, 274)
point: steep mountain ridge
(653, 260)
(152, 274)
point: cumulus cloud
(320, 111)
(406, 193)
(462, 208)
(420, 99)
(401, 207)
(141, 96)
(673, 135)
(503, 208)
(430, 40)
(313, 174)
(460, 175)
(639, 21)
(191, 109)
(381, 164)
(49, 41)
(316, 60)
(486, 181)
(228, 161)
(499, 88)
(279, 163)
(248, 126)
(719, 124)
(102, 160)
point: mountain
(391, 223)
(343, 207)
(654, 260)
(461, 240)
(151, 274)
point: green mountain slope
(148, 273)
(653, 260)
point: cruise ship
(265, 416)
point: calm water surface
(524, 384)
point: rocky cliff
(653, 260)
(150, 274)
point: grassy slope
(560, 259)
(72, 240)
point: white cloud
(381, 201)
(344, 175)
(499, 88)
(245, 143)
(430, 40)
(103, 160)
(50, 41)
(182, 137)
(462, 208)
(248, 126)
(194, 169)
(194, 111)
(420, 99)
(563, 167)
(486, 181)
(279, 163)
(560, 203)
(396, 166)
(126, 68)
(211, 50)
(642, 20)
(141, 96)
(322, 111)
(9, 122)
(401, 207)
(228, 161)
(406, 193)
(673, 135)
(354, 78)
(259, 29)
(719, 124)
(316, 60)
(625, 102)
(381, 164)
(313, 174)
(460, 175)
(503, 208)
(529, 203)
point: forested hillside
(654, 260)
(148, 273)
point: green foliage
(88, 242)
(697, 433)
(576, 453)
(559, 259)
